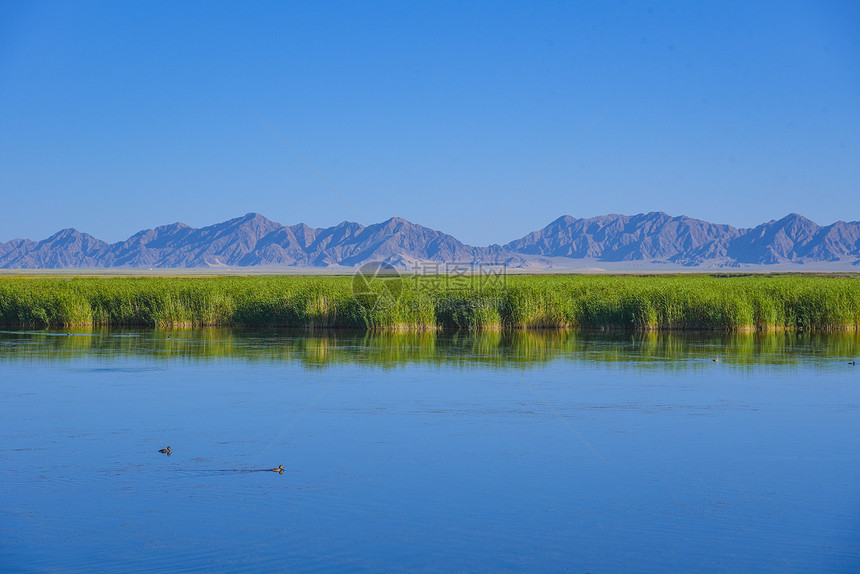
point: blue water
(433, 453)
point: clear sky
(121, 116)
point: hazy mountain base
(569, 265)
(539, 266)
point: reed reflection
(503, 349)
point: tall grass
(682, 302)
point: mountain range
(254, 241)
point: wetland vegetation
(731, 303)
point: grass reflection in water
(522, 348)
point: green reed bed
(679, 302)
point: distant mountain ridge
(251, 241)
(657, 236)
(654, 236)
(254, 241)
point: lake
(557, 452)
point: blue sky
(116, 117)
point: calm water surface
(540, 452)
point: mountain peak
(396, 225)
(173, 226)
(564, 219)
(255, 217)
(65, 233)
(396, 220)
(795, 217)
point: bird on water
(279, 470)
(165, 450)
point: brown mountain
(796, 239)
(686, 241)
(65, 249)
(647, 236)
(254, 241)
(251, 241)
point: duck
(280, 469)
(852, 362)
(165, 450)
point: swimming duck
(165, 450)
(280, 469)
